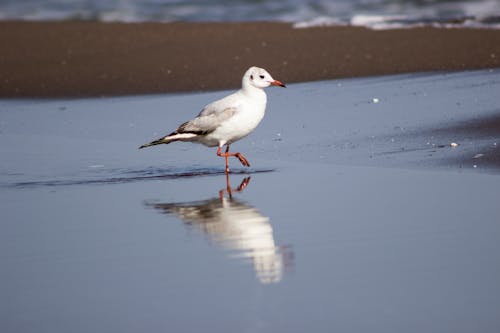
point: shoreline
(84, 59)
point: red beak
(278, 83)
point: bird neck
(252, 91)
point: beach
(77, 59)
(371, 203)
(357, 213)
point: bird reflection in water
(237, 227)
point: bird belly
(236, 128)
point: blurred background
(375, 13)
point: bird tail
(172, 137)
(154, 143)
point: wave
(375, 14)
(385, 22)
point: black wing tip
(153, 143)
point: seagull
(229, 119)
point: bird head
(260, 78)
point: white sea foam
(320, 21)
(382, 22)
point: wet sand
(356, 215)
(58, 59)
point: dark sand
(55, 59)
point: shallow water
(335, 226)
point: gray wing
(207, 121)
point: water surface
(357, 214)
(371, 13)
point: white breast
(250, 111)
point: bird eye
(251, 77)
(261, 76)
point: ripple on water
(120, 176)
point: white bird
(229, 119)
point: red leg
(226, 156)
(240, 157)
